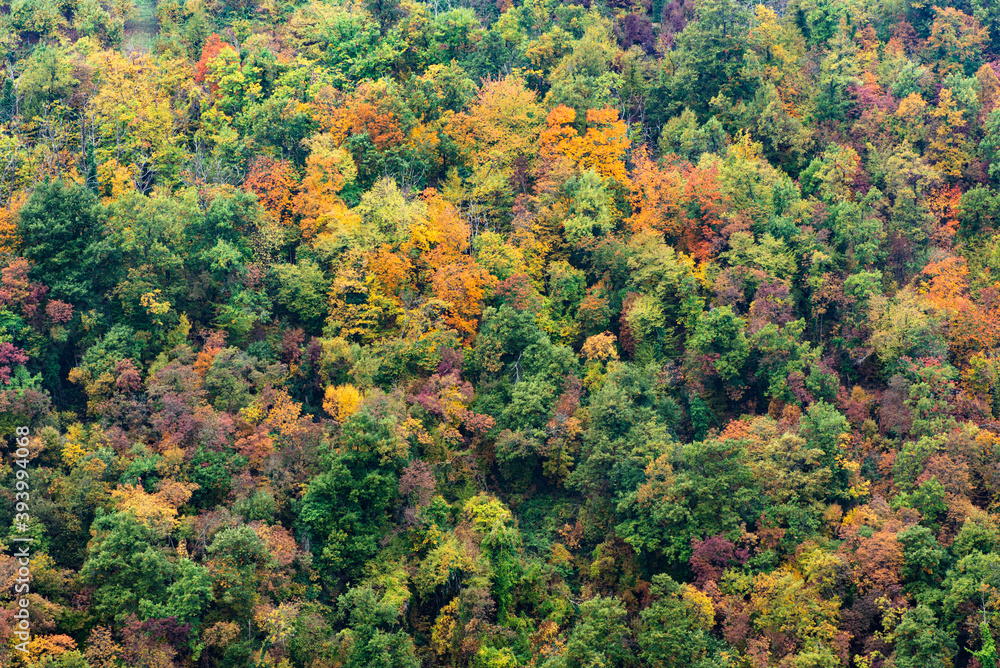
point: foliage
(496, 334)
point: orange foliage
(604, 145)
(8, 231)
(439, 239)
(463, 284)
(279, 540)
(387, 271)
(949, 284)
(559, 137)
(52, 645)
(328, 170)
(381, 126)
(657, 197)
(207, 355)
(664, 199)
(8, 224)
(601, 149)
(274, 183)
(945, 204)
(868, 56)
(874, 558)
(256, 446)
(366, 111)
(446, 227)
(972, 327)
(283, 414)
(754, 433)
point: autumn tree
(274, 183)
(496, 137)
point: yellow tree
(341, 401)
(796, 602)
(989, 91)
(157, 511)
(138, 111)
(910, 115)
(948, 148)
(496, 136)
(51, 646)
(956, 41)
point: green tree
(676, 626)
(126, 566)
(47, 78)
(373, 632)
(710, 56)
(824, 427)
(987, 654)
(719, 343)
(710, 491)
(599, 638)
(920, 643)
(57, 225)
(238, 561)
(922, 558)
(301, 291)
(584, 78)
(188, 596)
(345, 508)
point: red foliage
(712, 556)
(59, 311)
(893, 413)
(519, 293)
(625, 336)
(417, 480)
(9, 356)
(153, 642)
(707, 203)
(213, 47)
(291, 345)
(17, 290)
(771, 303)
(127, 377)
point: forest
(500, 334)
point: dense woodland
(496, 335)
